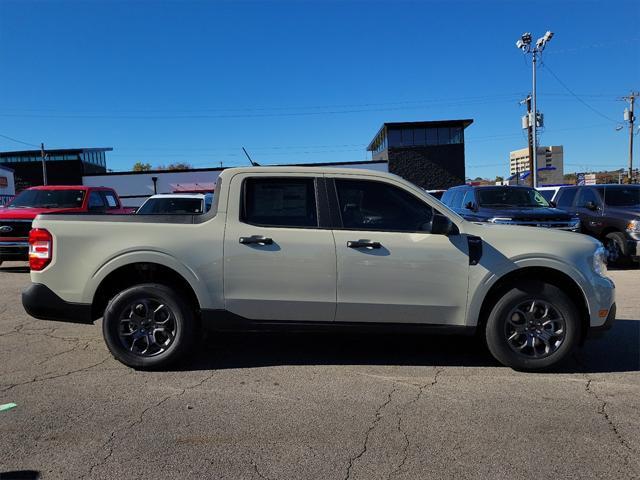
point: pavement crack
(109, 443)
(377, 417)
(53, 377)
(602, 411)
(405, 449)
(257, 470)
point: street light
(524, 44)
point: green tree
(179, 166)
(141, 167)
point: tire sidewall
(495, 327)
(185, 328)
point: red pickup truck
(16, 217)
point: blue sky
(311, 81)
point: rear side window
(566, 196)
(280, 202)
(587, 195)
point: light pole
(524, 44)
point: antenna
(253, 164)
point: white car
(176, 203)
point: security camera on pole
(524, 44)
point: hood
(629, 213)
(30, 213)
(514, 241)
(517, 213)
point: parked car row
(17, 216)
(609, 213)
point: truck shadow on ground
(617, 351)
(15, 269)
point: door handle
(256, 240)
(363, 244)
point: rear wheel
(149, 326)
(532, 327)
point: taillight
(40, 249)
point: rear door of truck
(279, 251)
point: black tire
(616, 245)
(499, 327)
(180, 317)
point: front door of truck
(390, 268)
(279, 263)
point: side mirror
(591, 206)
(441, 225)
(470, 206)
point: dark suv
(512, 205)
(611, 213)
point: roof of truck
(306, 169)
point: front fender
(481, 281)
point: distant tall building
(550, 164)
(429, 154)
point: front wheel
(616, 249)
(149, 326)
(533, 326)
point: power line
(576, 96)
(19, 141)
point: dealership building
(63, 166)
(430, 154)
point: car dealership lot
(315, 406)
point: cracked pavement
(315, 406)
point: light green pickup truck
(314, 248)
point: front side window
(280, 202)
(48, 199)
(587, 195)
(95, 201)
(468, 198)
(369, 205)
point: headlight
(574, 224)
(500, 220)
(600, 261)
(633, 226)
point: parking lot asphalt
(315, 406)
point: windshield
(622, 196)
(503, 197)
(48, 199)
(155, 206)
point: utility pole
(44, 164)
(629, 117)
(524, 44)
(529, 124)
